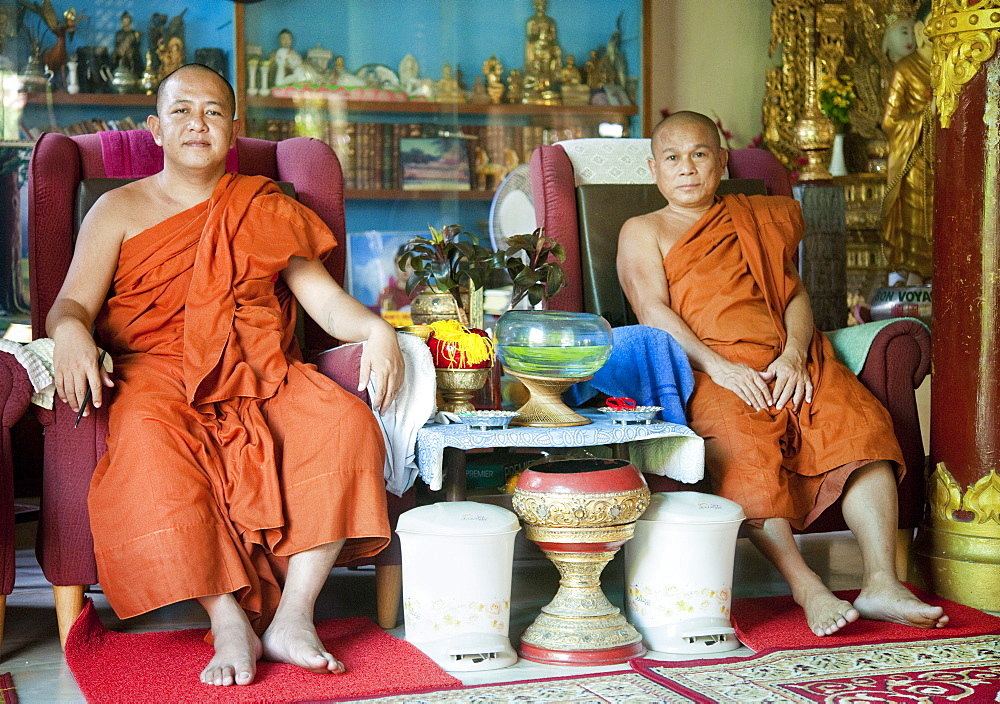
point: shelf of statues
(432, 107)
(61, 97)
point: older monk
(787, 428)
(235, 475)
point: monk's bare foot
(237, 650)
(891, 601)
(825, 613)
(293, 640)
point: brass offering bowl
(580, 512)
(458, 386)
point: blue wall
(462, 33)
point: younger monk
(235, 474)
(787, 428)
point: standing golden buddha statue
(542, 58)
(907, 210)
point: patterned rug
(965, 670)
(608, 688)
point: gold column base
(957, 549)
(960, 567)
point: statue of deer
(54, 57)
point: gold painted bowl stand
(545, 407)
(580, 520)
(458, 386)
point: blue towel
(646, 364)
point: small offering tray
(640, 415)
(487, 420)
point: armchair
(59, 165)
(585, 218)
(15, 395)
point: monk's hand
(791, 380)
(382, 357)
(75, 370)
(742, 381)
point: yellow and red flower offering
(454, 346)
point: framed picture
(372, 275)
(435, 164)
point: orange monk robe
(226, 453)
(728, 279)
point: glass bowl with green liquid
(552, 343)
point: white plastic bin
(679, 572)
(457, 561)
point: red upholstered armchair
(59, 164)
(584, 190)
(15, 395)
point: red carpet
(778, 622)
(163, 667)
(957, 670)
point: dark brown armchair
(59, 164)
(584, 190)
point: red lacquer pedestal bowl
(579, 512)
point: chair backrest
(59, 164)
(602, 209)
(560, 173)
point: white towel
(36, 358)
(413, 406)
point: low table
(666, 449)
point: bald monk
(235, 475)
(787, 428)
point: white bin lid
(691, 507)
(458, 518)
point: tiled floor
(31, 644)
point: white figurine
(265, 72)
(72, 85)
(285, 59)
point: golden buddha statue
(907, 211)
(448, 90)
(542, 58)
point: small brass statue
(448, 90)
(493, 70)
(542, 58)
(574, 91)
(148, 82)
(126, 51)
(515, 86)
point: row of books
(83, 127)
(369, 152)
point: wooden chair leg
(69, 604)
(904, 542)
(388, 592)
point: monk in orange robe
(787, 428)
(236, 474)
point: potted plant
(448, 264)
(534, 264)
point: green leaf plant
(448, 261)
(534, 264)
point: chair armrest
(898, 361)
(15, 390)
(343, 365)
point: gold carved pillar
(957, 550)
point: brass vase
(814, 135)
(580, 512)
(430, 306)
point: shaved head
(686, 118)
(161, 90)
